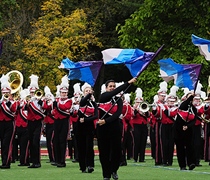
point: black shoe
(183, 168)
(5, 167)
(84, 171)
(165, 164)
(158, 164)
(192, 166)
(75, 160)
(35, 166)
(198, 165)
(141, 161)
(27, 164)
(123, 163)
(90, 169)
(106, 178)
(61, 165)
(53, 163)
(114, 175)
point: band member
(152, 122)
(197, 139)
(127, 135)
(61, 113)
(183, 132)
(48, 129)
(140, 121)
(7, 112)
(158, 112)
(88, 113)
(108, 128)
(206, 117)
(35, 108)
(73, 119)
(22, 129)
(167, 124)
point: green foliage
(170, 23)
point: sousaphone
(15, 82)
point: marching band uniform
(109, 129)
(166, 128)
(126, 134)
(21, 124)
(88, 113)
(61, 113)
(73, 121)
(152, 121)
(197, 140)
(74, 117)
(207, 131)
(7, 126)
(36, 115)
(49, 124)
(183, 133)
(167, 135)
(140, 132)
(158, 112)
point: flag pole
(153, 57)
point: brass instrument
(38, 94)
(6, 96)
(15, 79)
(203, 117)
(145, 106)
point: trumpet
(6, 96)
(38, 94)
(145, 106)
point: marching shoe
(35, 166)
(53, 163)
(61, 165)
(192, 166)
(114, 175)
(5, 167)
(106, 178)
(27, 164)
(183, 168)
(90, 169)
(75, 160)
(123, 163)
(198, 165)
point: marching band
(30, 112)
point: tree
(170, 23)
(53, 37)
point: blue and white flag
(203, 45)
(135, 60)
(184, 75)
(86, 71)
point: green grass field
(133, 171)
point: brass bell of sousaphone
(15, 81)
